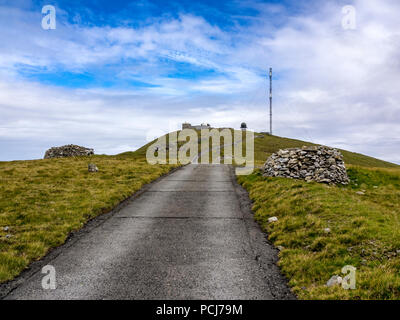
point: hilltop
(265, 145)
(43, 201)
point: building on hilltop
(186, 125)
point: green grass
(265, 145)
(42, 201)
(365, 231)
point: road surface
(189, 235)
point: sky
(114, 74)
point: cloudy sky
(115, 73)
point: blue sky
(114, 74)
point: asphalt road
(189, 235)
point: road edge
(7, 287)
(264, 251)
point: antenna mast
(270, 101)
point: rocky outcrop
(70, 150)
(320, 164)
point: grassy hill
(43, 201)
(363, 218)
(265, 145)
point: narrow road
(189, 235)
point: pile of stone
(320, 164)
(70, 150)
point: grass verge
(42, 201)
(365, 231)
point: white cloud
(332, 86)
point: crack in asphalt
(166, 244)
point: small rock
(280, 248)
(327, 230)
(375, 187)
(334, 280)
(6, 228)
(398, 251)
(272, 219)
(360, 193)
(92, 167)
(8, 236)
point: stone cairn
(320, 164)
(70, 150)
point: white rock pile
(320, 164)
(70, 150)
